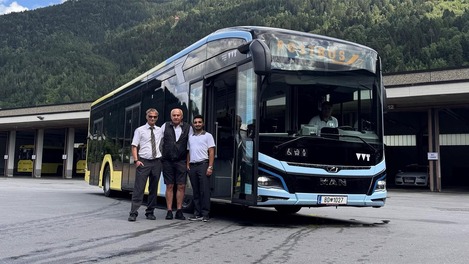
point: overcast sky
(9, 6)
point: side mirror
(261, 56)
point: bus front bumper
(268, 197)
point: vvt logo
(228, 55)
(363, 156)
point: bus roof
(146, 75)
(245, 32)
(256, 30)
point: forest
(80, 50)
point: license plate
(409, 180)
(332, 200)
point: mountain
(82, 49)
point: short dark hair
(198, 116)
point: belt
(149, 159)
(198, 163)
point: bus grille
(325, 167)
(327, 184)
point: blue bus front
(338, 161)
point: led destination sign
(290, 52)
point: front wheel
(288, 209)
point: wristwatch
(210, 167)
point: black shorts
(175, 172)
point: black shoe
(179, 215)
(169, 215)
(132, 217)
(205, 219)
(195, 218)
(150, 216)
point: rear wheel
(288, 209)
(107, 182)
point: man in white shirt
(325, 118)
(146, 154)
(174, 150)
(200, 160)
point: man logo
(363, 156)
(332, 182)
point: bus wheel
(188, 204)
(287, 209)
(107, 182)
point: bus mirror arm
(244, 49)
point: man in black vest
(174, 150)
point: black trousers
(201, 188)
(151, 169)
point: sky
(9, 6)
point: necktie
(153, 143)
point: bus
(52, 162)
(79, 158)
(258, 88)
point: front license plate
(332, 200)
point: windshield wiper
(332, 135)
(276, 147)
(352, 136)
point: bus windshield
(290, 101)
(26, 152)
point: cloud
(13, 7)
(6, 7)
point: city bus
(52, 162)
(258, 88)
(79, 158)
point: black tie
(153, 143)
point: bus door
(230, 113)
(220, 121)
(132, 118)
(246, 129)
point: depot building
(426, 123)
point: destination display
(294, 52)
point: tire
(107, 182)
(287, 209)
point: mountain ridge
(82, 49)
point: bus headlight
(381, 186)
(269, 182)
